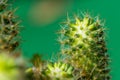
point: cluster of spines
(9, 29)
(83, 41)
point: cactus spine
(83, 42)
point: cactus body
(83, 41)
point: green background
(43, 39)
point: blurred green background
(41, 19)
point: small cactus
(49, 71)
(83, 42)
(59, 71)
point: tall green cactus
(83, 42)
(59, 71)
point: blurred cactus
(37, 71)
(83, 41)
(8, 68)
(9, 29)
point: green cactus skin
(59, 71)
(9, 29)
(83, 41)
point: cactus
(9, 41)
(9, 29)
(36, 72)
(59, 71)
(83, 42)
(8, 68)
(83, 47)
(85, 54)
(49, 71)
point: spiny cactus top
(9, 29)
(59, 71)
(83, 41)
